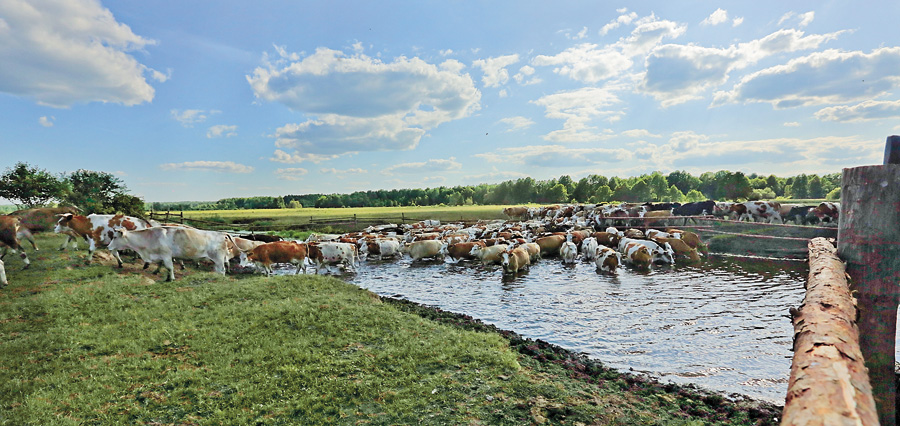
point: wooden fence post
(829, 383)
(869, 241)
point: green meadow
(96, 345)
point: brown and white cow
(163, 244)
(516, 212)
(568, 251)
(489, 254)
(514, 260)
(550, 244)
(607, 259)
(267, 254)
(637, 255)
(382, 247)
(44, 219)
(758, 211)
(827, 212)
(98, 229)
(463, 250)
(10, 227)
(328, 253)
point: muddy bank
(696, 402)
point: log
(869, 241)
(829, 383)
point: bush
(835, 194)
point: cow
(515, 212)
(238, 248)
(9, 231)
(589, 248)
(98, 229)
(679, 247)
(607, 259)
(660, 253)
(266, 254)
(383, 247)
(489, 254)
(657, 217)
(758, 210)
(425, 249)
(514, 260)
(827, 212)
(3, 281)
(607, 239)
(463, 250)
(534, 251)
(332, 253)
(568, 252)
(264, 238)
(550, 244)
(701, 208)
(162, 244)
(799, 215)
(636, 254)
(44, 219)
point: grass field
(95, 345)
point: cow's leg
(170, 265)
(3, 281)
(70, 238)
(24, 258)
(25, 234)
(115, 254)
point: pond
(723, 325)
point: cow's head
(62, 225)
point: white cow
(589, 248)
(162, 244)
(3, 281)
(659, 253)
(425, 248)
(331, 253)
(568, 251)
(98, 229)
(489, 254)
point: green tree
(602, 194)
(683, 180)
(673, 195)
(557, 194)
(30, 186)
(93, 191)
(835, 194)
(799, 187)
(735, 186)
(814, 188)
(659, 186)
(694, 196)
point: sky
(203, 100)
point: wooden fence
(352, 222)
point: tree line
(101, 192)
(677, 186)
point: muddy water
(723, 325)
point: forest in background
(677, 186)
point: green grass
(95, 345)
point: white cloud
(214, 166)
(586, 63)
(623, 19)
(495, 72)
(494, 176)
(716, 18)
(737, 21)
(806, 18)
(679, 73)
(640, 133)
(526, 71)
(189, 117)
(295, 157)
(792, 124)
(828, 77)
(579, 108)
(46, 121)
(556, 156)
(63, 52)
(291, 173)
(361, 103)
(333, 171)
(517, 123)
(221, 130)
(864, 111)
(434, 165)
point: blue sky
(202, 100)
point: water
(723, 325)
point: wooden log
(829, 384)
(869, 241)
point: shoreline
(582, 367)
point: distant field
(304, 215)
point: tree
(694, 196)
(30, 186)
(683, 180)
(126, 204)
(835, 194)
(659, 186)
(799, 187)
(94, 192)
(557, 194)
(735, 186)
(814, 187)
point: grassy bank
(96, 345)
(303, 215)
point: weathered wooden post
(869, 241)
(829, 381)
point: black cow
(661, 206)
(800, 215)
(695, 209)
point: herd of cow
(565, 231)
(673, 213)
